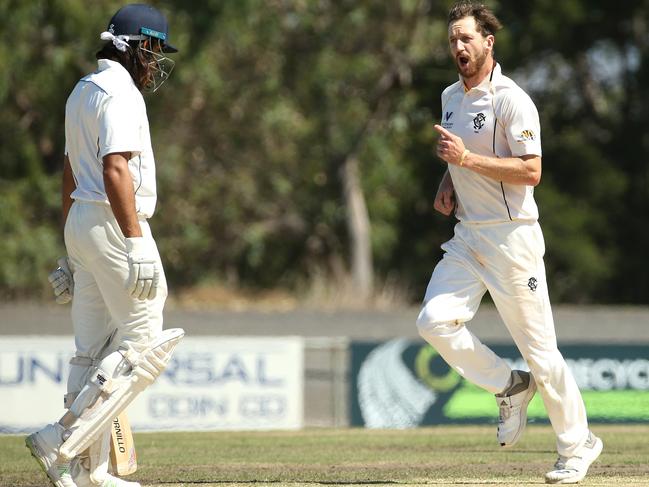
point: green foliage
(30, 248)
(267, 100)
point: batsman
(112, 273)
(490, 138)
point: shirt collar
(485, 84)
(104, 64)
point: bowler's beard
(472, 68)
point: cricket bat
(123, 460)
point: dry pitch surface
(449, 455)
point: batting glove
(144, 274)
(62, 281)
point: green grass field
(449, 455)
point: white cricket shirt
(496, 118)
(104, 114)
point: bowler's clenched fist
(445, 197)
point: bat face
(123, 460)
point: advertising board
(403, 383)
(224, 383)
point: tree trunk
(359, 228)
(358, 218)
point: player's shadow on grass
(498, 450)
(296, 481)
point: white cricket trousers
(104, 315)
(505, 259)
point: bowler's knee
(425, 320)
(431, 324)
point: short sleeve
(521, 122)
(119, 127)
(446, 95)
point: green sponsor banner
(404, 383)
(471, 402)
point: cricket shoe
(513, 407)
(571, 470)
(44, 447)
(109, 481)
(81, 478)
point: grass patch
(447, 455)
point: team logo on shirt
(445, 120)
(478, 121)
(532, 283)
(526, 135)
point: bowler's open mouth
(463, 60)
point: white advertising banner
(211, 383)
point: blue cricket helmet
(139, 19)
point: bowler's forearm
(525, 170)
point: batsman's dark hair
(134, 60)
(486, 21)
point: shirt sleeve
(119, 127)
(521, 122)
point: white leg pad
(102, 380)
(99, 452)
(150, 364)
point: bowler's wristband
(463, 156)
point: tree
(294, 139)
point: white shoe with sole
(513, 408)
(573, 469)
(44, 447)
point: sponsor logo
(445, 120)
(119, 436)
(242, 383)
(532, 283)
(478, 121)
(247, 406)
(526, 135)
(403, 384)
(185, 369)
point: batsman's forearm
(119, 189)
